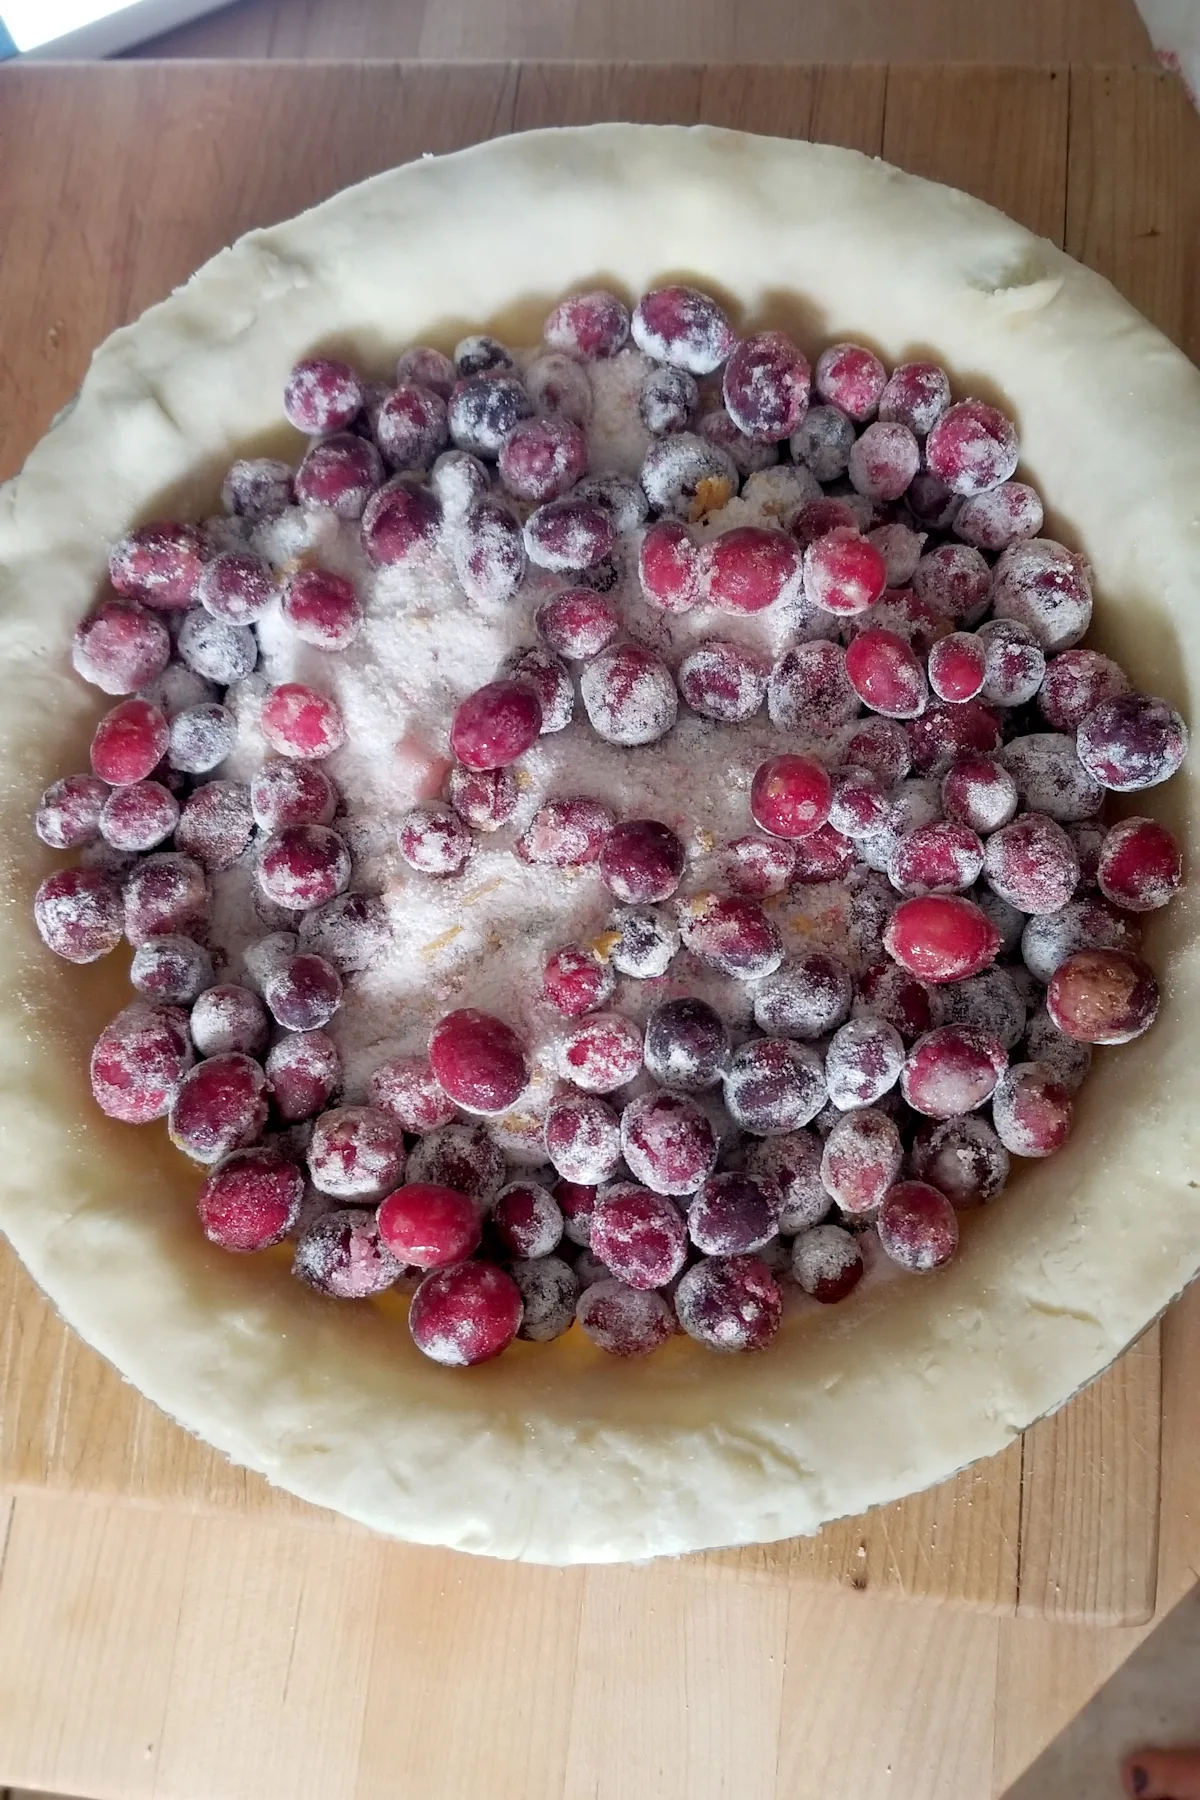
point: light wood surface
(234, 1643)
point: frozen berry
(341, 1254)
(235, 587)
(885, 674)
(759, 866)
(305, 1072)
(907, 616)
(732, 934)
(407, 1089)
(159, 565)
(686, 476)
(167, 894)
(668, 1142)
(889, 992)
(496, 724)
(322, 395)
(667, 400)
(1076, 682)
(251, 1200)
(410, 426)
(484, 409)
(790, 796)
(900, 548)
(138, 1062)
(79, 914)
(575, 981)
(843, 573)
(788, 1167)
(861, 803)
(1050, 778)
(478, 1060)
(559, 388)
(349, 931)
(809, 996)
(917, 1226)
(863, 1061)
(748, 568)
(1131, 742)
(686, 1046)
(824, 856)
(883, 461)
(1031, 863)
(980, 793)
(527, 1220)
(229, 1017)
(70, 811)
(941, 937)
(1044, 587)
(600, 1053)
(723, 680)
(774, 1085)
(551, 679)
(460, 1156)
(428, 1227)
(566, 833)
(303, 993)
(862, 1158)
(851, 378)
(622, 1320)
(542, 459)
(298, 721)
(729, 1303)
(943, 733)
(434, 840)
(669, 566)
(957, 666)
(257, 488)
(1068, 1058)
(339, 474)
(284, 793)
(732, 1214)
(171, 969)
(992, 1002)
(216, 824)
(401, 523)
(682, 326)
(827, 1263)
(963, 1158)
(569, 534)
(971, 448)
(485, 799)
(766, 386)
(478, 354)
(940, 858)
(549, 1290)
(219, 1106)
(641, 861)
(129, 742)
(303, 866)
(617, 495)
(639, 1235)
(221, 653)
(916, 394)
(576, 624)
(1087, 835)
(120, 647)
(589, 326)
(1103, 996)
(322, 608)
(201, 737)
(428, 368)
(1002, 516)
(641, 942)
(823, 442)
(1031, 1110)
(955, 581)
(583, 1141)
(881, 745)
(1140, 865)
(629, 695)
(952, 1069)
(356, 1153)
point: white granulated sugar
(481, 938)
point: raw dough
(558, 1453)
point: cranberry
(304, 993)
(1140, 865)
(1031, 863)
(883, 461)
(172, 969)
(601, 1053)
(642, 942)
(348, 931)
(305, 1072)
(749, 455)
(669, 567)
(577, 1203)
(322, 608)
(686, 476)
(138, 1062)
(79, 915)
(434, 840)
(843, 573)
(551, 679)
(617, 495)
(941, 937)
(120, 647)
(766, 386)
(460, 1156)
(457, 482)
(731, 934)
(917, 1226)
(943, 733)
(1076, 682)
(166, 895)
(1044, 587)
(216, 824)
(808, 997)
(862, 1158)
(823, 442)
(667, 400)
(851, 378)
(890, 993)
(428, 368)
(542, 459)
(629, 695)
(496, 724)
(583, 1141)
(1087, 835)
(730, 1303)
(1050, 778)
(589, 326)
(576, 624)
(527, 1220)
(70, 811)
(298, 721)
(955, 581)
(963, 1158)
(1002, 516)
(484, 409)
(940, 858)
(322, 395)
(406, 1088)
(566, 833)
(410, 426)
(291, 793)
(990, 1002)
(908, 616)
(668, 1142)
(200, 737)
(559, 388)
(980, 793)
(228, 1018)
(575, 981)
(788, 1167)
(759, 866)
(824, 856)
(730, 1215)
(235, 587)
(219, 1106)
(916, 394)
(1103, 996)
(339, 474)
(722, 680)
(129, 742)
(885, 674)
(641, 861)
(639, 1235)
(681, 326)
(303, 866)
(687, 1045)
(952, 1069)
(748, 568)
(957, 666)
(341, 1255)
(159, 565)
(880, 745)
(1130, 742)
(900, 548)
(356, 1153)
(1031, 1110)
(401, 522)
(1068, 1058)
(483, 798)
(489, 553)
(256, 488)
(251, 1201)
(478, 1060)
(622, 1320)
(790, 796)
(971, 448)
(477, 354)
(827, 1263)
(221, 653)
(863, 1062)
(774, 1085)
(428, 1227)
(569, 534)
(549, 1290)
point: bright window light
(32, 23)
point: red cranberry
(622, 1320)
(629, 695)
(139, 816)
(861, 803)
(291, 793)
(349, 931)
(900, 548)
(730, 1215)
(221, 653)
(583, 1141)
(200, 737)
(668, 1142)
(941, 858)
(428, 368)
(257, 487)
(885, 674)
(851, 378)
(588, 326)
(619, 496)
(322, 395)
(971, 448)
(159, 565)
(129, 742)
(908, 617)
(669, 566)
(166, 895)
(139, 1060)
(759, 866)
(827, 1263)
(641, 861)
(339, 475)
(484, 409)
(916, 394)
(549, 1290)
(766, 386)
(788, 1167)
(303, 866)
(1076, 682)
(322, 608)
(298, 721)
(576, 624)
(681, 326)
(730, 1303)
(963, 1158)
(1014, 664)
(883, 461)
(551, 679)
(1031, 863)
(601, 1053)
(235, 587)
(575, 981)
(1068, 1058)
(489, 553)
(566, 833)
(341, 1255)
(411, 426)
(731, 934)
(401, 522)
(303, 993)
(1086, 924)
(1044, 587)
(173, 969)
(79, 915)
(642, 942)
(917, 1226)
(229, 1017)
(774, 1085)
(954, 581)
(809, 996)
(790, 796)
(570, 534)
(460, 1156)
(824, 856)
(843, 573)
(216, 824)
(465, 1314)
(957, 666)
(723, 680)
(483, 798)
(808, 690)
(952, 1069)
(478, 1060)
(1050, 778)
(1087, 835)
(687, 1045)
(881, 745)
(861, 1160)
(890, 993)
(863, 1062)
(687, 476)
(1000, 517)
(749, 456)
(639, 1235)
(822, 443)
(1103, 996)
(220, 1106)
(407, 1089)
(542, 459)
(305, 1072)
(1140, 865)
(749, 568)
(1031, 1110)
(251, 1201)
(478, 354)
(496, 724)
(941, 937)
(980, 793)
(667, 400)
(527, 1220)
(120, 647)
(1130, 742)
(992, 1002)
(428, 1227)
(356, 1153)
(943, 733)
(434, 840)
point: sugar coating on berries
(1032, 864)
(496, 724)
(172, 969)
(731, 933)
(759, 866)
(971, 448)
(623, 1320)
(434, 841)
(339, 474)
(843, 572)
(852, 378)
(303, 993)
(428, 1227)
(686, 1045)
(356, 1153)
(1044, 586)
(766, 386)
(1132, 741)
(166, 893)
(963, 1158)
(303, 866)
(1002, 516)
(406, 1088)
(917, 1226)
(576, 624)
(1140, 865)
(298, 721)
(883, 461)
(941, 937)
(641, 861)
(668, 1142)
(863, 1061)
(483, 409)
(139, 1060)
(955, 581)
(478, 1060)
(827, 1263)
(774, 1085)
(825, 855)
(402, 521)
(749, 568)
(461, 1156)
(1103, 996)
(916, 394)
(576, 981)
(862, 1158)
(808, 997)
(159, 565)
(200, 738)
(730, 1303)
(568, 535)
(952, 1069)
(251, 1200)
(485, 799)
(229, 1017)
(641, 942)
(639, 1234)
(566, 833)
(1069, 1058)
(943, 733)
(723, 680)
(542, 459)
(669, 566)
(349, 930)
(219, 1106)
(583, 1141)
(957, 666)
(823, 442)
(600, 1053)
(551, 679)
(284, 792)
(304, 1070)
(322, 608)
(979, 792)
(342, 1255)
(322, 395)
(939, 858)
(479, 354)
(590, 326)
(686, 476)
(120, 647)
(790, 796)
(1076, 682)
(79, 914)
(1031, 1110)
(549, 1289)
(886, 991)
(526, 1218)
(1015, 662)
(991, 1002)
(684, 327)
(216, 824)
(256, 488)
(629, 695)
(667, 400)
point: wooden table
(215, 1640)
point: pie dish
(550, 1454)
